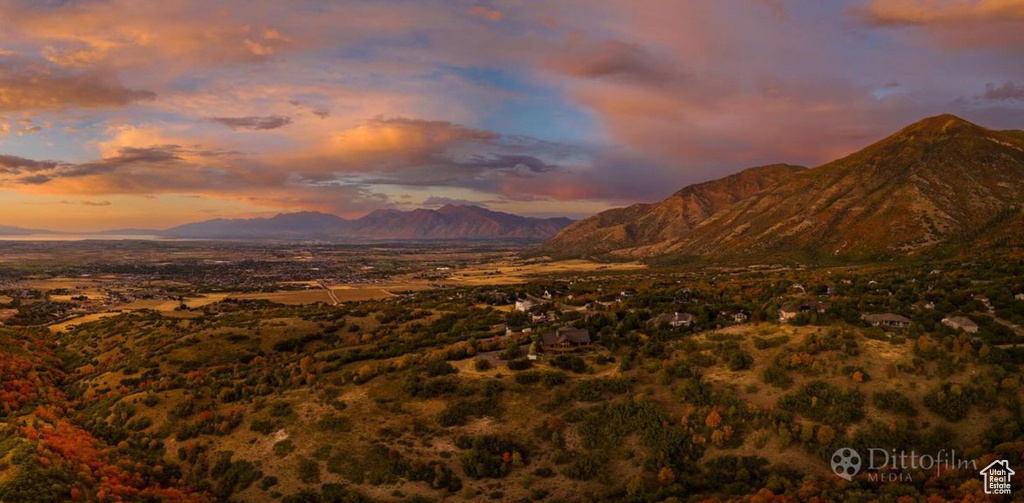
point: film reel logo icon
(845, 463)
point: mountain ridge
(448, 222)
(914, 190)
(645, 224)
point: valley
(143, 380)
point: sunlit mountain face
(119, 114)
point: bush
(489, 456)
(777, 376)
(596, 390)
(825, 403)
(571, 363)
(334, 422)
(284, 448)
(519, 364)
(739, 360)
(439, 368)
(309, 471)
(482, 365)
(894, 401)
(431, 388)
(951, 401)
(261, 426)
(583, 467)
(770, 342)
(280, 409)
(458, 413)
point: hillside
(421, 398)
(649, 224)
(448, 222)
(936, 181)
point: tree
(666, 476)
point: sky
(129, 114)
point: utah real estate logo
(997, 477)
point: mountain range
(447, 222)
(940, 181)
(451, 222)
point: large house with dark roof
(565, 339)
(886, 320)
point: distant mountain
(649, 224)
(7, 230)
(302, 225)
(448, 222)
(940, 181)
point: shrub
(309, 471)
(595, 390)
(261, 426)
(823, 402)
(334, 422)
(458, 413)
(951, 401)
(482, 365)
(583, 467)
(571, 363)
(739, 360)
(280, 409)
(777, 376)
(489, 456)
(894, 401)
(770, 342)
(519, 364)
(284, 448)
(439, 368)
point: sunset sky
(128, 113)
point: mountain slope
(642, 225)
(448, 222)
(936, 179)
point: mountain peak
(940, 125)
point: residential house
(674, 320)
(889, 320)
(734, 316)
(1019, 296)
(529, 303)
(985, 301)
(924, 304)
(961, 323)
(544, 317)
(790, 310)
(565, 339)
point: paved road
(330, 293)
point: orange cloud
(486, 13)
(26, 86)
(952, 23)
(921, 12)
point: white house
(674, 320)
